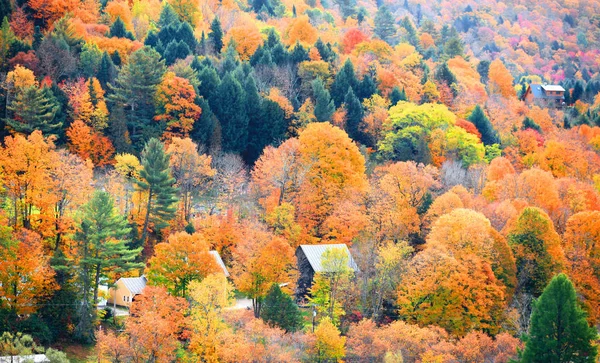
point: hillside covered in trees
(146, 137)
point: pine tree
(34, 108)
(106, 70)
(324, 107)
(577, 92)
(559, 331)
(354, 116)
(385, 27)
(280, 310)
(117, 29)
(489, 136)
(157, 182)
(397, 95)
(528, 123)
(102, 248)
(367, 87)
(216, 35)
(168, 17)
(344, 79)
(135, 87)
(229, 105)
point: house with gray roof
(309, 259)
(545, 95)
(127, 288)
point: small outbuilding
(309, 258)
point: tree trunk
(147, 219)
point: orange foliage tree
(88, 144)
(26, 165)
(261, 260)
(500, 80)
(151, 332)
(174, 99)
(183, 258)
(26, 278)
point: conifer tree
(157, 182)
(168, 17)
(344, 79)
(117, 29)
(229, 105)
(280, 310)
(559, 331)
(34, 108)
(102, 247)
(489, 136)
(106, 70)
(134, 89)
(324, 107)
(397, 95)
(354, 116)
(385, 27)
(216, 35)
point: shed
(309, 258)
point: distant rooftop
(314, 254)
(553, 88)
(135, 285)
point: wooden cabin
(545, 95)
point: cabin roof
(314, 254)
(220, 262)
(135, 285)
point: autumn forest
(300, 181)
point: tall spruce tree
(280, 310)
(324, 107)
(102, 249)
(118, 30)
(354, 116)
(229, 105)
(216, 35)
(489, 136)
(157, 182)
(385, 25)
(344, 79)
(559, 331)
(397, 95)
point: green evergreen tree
(279, 310)
(33, 108)
(299, 54)
(270, 129)
(90, 59)
(216, 35)
(168, 17)
(106, 70)
(385, 25)
(528, 123)
(209, 82)
(7, 39)
(559, 331)
(411, 31)
(344, 79)
(397, 95)
(116, 58)
(102, 248)
(324, 107)
(5, 9)
(354, 116)
(366, 88)
(117, 30)
(229, 105)
(205, 125)
(454, 47)
(348, 7)
(489, 136)
(577, 92)
(157, 182)
(134, 89)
